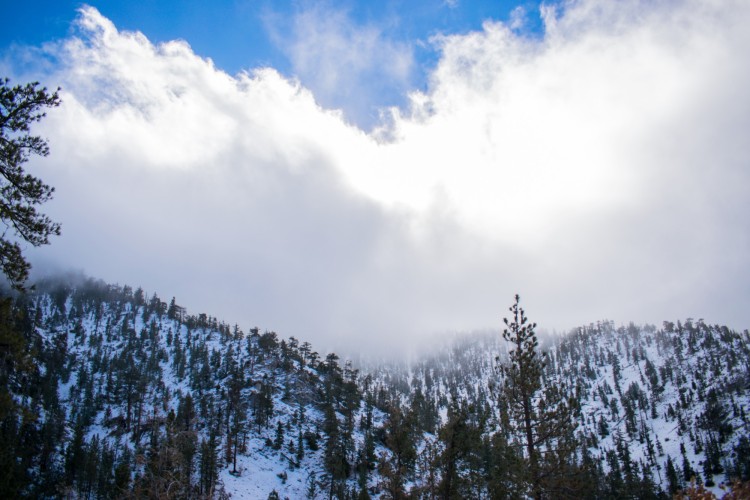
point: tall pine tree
(541, 417)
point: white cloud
(345, 64)
(517, 18)
(601, 172)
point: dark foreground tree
(541, 416)
(20, 192)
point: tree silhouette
(20, 192)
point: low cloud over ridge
(600, 171)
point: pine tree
(20, 192)
(460, 460)
(399, 439)
(334, 456)
(209, 465)
(673, 480)
(279, 439)
(122, 471)
(17, 367)
(503, 464)
(540, 417)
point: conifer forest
(109, 392)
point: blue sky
(235, 33)
(241, 35)
(365, 179)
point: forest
(109, 392)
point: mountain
(111, 393)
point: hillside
(114, 393)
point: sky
(319, 43)
(369, 178)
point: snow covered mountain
(112, 393)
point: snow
(467, 369)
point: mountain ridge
(133, 397)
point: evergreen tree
(540, 417)
(279, 439)
(122, 471)
(460, 462)
(17, 368)
(236, 411)
(399, 439)
(503, 464)
(673, 480)
(20, 192)
(334, 457)
(209, 465)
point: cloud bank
(601, 171)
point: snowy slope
(133, 393)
